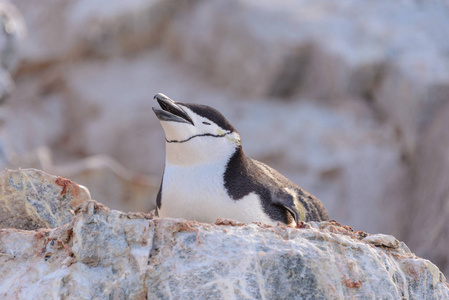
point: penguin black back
(278, 194)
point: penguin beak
(170, 110)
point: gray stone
(32, 199)
(110, 182)
(106, 254)
(382, 240)
(428, 208)
(331, 50)
(33, 117)
(63, 30)
(13, 32)
(47, 40)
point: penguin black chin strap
(198, 135)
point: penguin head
(195, 133)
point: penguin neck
(237, 177)
(238, 158)
(190, 155)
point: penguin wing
(299, 203)
(289, 204)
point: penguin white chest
(198, 193)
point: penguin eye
(206, 123)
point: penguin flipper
(289, 205)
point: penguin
(208, 176)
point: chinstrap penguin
(207, 175)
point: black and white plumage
(207, 175)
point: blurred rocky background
(349, 99)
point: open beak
(170, 110)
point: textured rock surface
(105, 254)
(350, 94)
(120, 188)
(12, 30)
(109, 182)
(32, 199)
(430, 208)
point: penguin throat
(204, 151)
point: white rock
(382, 240)
(391, 54)
(32, 199)
(107, 254)
(33, 118)
(13, 33)
(47, 39)
(64, 30)
(110, 183)
(428, 206)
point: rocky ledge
(107, 254)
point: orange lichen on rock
(351, 283)
(69, 185)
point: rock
(45, 123)
(47, 40)
(31, 199)
(382, 240)
(428, 206)
(62, 30)
(333, 49)
(110, 183)
(105, 254)
(124, 27)
(13, 32)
